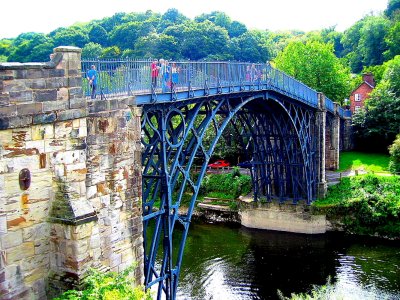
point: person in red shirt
(154, 73)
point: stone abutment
(70, 179)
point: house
(361, 93)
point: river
(233, 262)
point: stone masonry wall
(82, 208)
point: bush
(367, 204)
(394, 150)
(232, 184)
(108, 286)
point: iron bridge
(274, 117)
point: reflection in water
(222, 262)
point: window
(357, 97)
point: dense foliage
(315, 64)
(231, 184)
(394, 150)
(108, 286)
(367, 204)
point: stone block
(68, 157)
(39, 83)
(15, 254)
(18, 163)
(115, 260)
(36, 261)
(74, 81)
(62, 94)
(15, 122)
(11, 239)
(40, 132)
(38, 145)
(56, 73)
(14, 86)
(54, 145)
(75, 92)
(44, 118)
(56, 82)
(29, 108)
(42, 247)
(10, 110)
(62, 129)
(4, 99)
(36, 73)
(36, 232)
(21, 96)
(45, 95)
(72, 114)
(77, 103)
(55, 105)
(35, 275)
(83, 231)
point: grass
(370, 162)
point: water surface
(231, 262)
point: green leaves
(108, 286)
(315, 64)
(367, 204)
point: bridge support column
(321, 146)
(347, 135)
(333, 142)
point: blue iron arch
(280, 136)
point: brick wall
(363, 90)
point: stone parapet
(41, 93)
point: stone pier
(70, 179)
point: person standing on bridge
(92, 78)
(154, 73)
(175, 75)
(165, 70)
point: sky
(18, 16)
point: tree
(6, 46)
(111, 52)
(98, 35)
(236, 29)
(372, 44)
(316, 65)
(71, 36)
(92, 50)
(251, 46)
(392, 40)
(125, 35)
(31, 47)
(171, 17)
(350, 40)
(393, 10)
(203, 39)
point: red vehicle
(219, 164)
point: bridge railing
(134, 77)
(329, 105)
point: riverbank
(364, 205)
